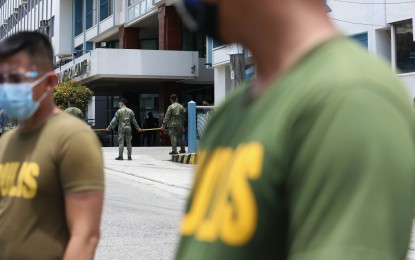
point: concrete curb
(190, 158)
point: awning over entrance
(123, 64)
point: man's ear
(51, 82)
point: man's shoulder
(342, 60)
(5, 137)
(124, 110)
(66, 124)
(341, 66)
(177, 106)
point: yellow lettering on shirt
(205, 188)
(8, 177)
(208, 229)
(30, 187)
(224, 206)
(240, 213)
(19, 180)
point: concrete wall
(62, 41)
(409, 80)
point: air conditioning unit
(25, 2)
(16, 10)
(5, 22)
(103, 44)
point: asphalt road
(144, 203)
(143, 206)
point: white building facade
(384, 28)
(48, 16)
(137, 49)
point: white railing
(138, 8)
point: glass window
(217, 44)
(112, 45)
(149, 103)
(90, 18)
(194, 42)
(149, 4)
(78, 17)
(131, 13)
(137, 11)
(405, 47)
(78, 51)
(149, 44)
(143, 7)
(132, 2)
(106, 9)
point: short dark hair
(36, 45)
(173, 97)
(72, 101)
(124, 100)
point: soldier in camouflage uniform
(174, 122)
(73, 110)
(123, 118)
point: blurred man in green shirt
(311, 160)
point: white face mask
(17, 101)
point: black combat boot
(129, 158)
(173, 153)
(119, 158)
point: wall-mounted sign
(75, 71)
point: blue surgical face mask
(16, 99)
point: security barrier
(197, 123)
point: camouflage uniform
(123, 118)
(174, 120)
(75, 112)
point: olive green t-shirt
(321, 166)
(75, 112)
(37, 170)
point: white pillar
(222, 83)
